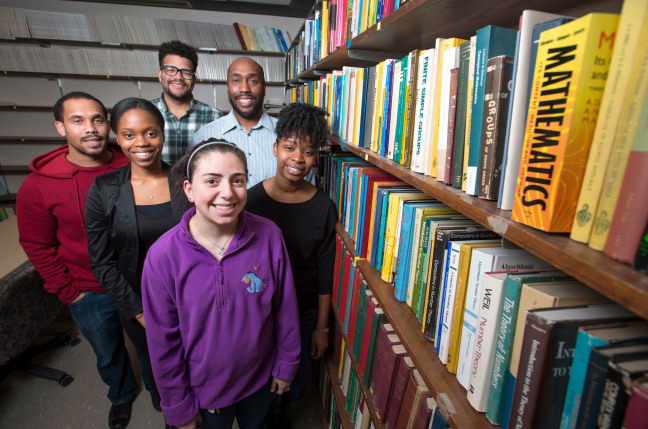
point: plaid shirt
(178, 132)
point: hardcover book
(547, 351)
(621, 85)
(499, 72)
(524, 57)
(571, 69)
(491, 42)
(596, 374)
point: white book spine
(453, 248)
(482, 361)
(519, 106)
(478, 262)
(422, 102)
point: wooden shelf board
(133, 46)
(340, 399)
(109, 77)
(14, 169)
(449, 394)
(33, 140)
(618, 281)
(8, 199)
(334, 61)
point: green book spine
(376, 322)
(460, 123)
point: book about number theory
(588, 337)
(507, 320)
(570, 74)
(546, 357)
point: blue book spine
(584, 343)
(402, 264)
(384, 137)
(508, 398)
(381, 236)
(442, 296)
(377, 218)
(362, 209)
(363, 107)
(352, 204)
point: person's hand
(194, 423)
(140, 319)
(319, 344)
(279, 386)
(79, 298)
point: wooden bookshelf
(417, 23)
(32, 140)
(618, 281)
(339, 396)
(111, 77)
(367, 394)
(8, 200)
(449, 394)
(131, 46)
(14, 169)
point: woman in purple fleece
(219, 302)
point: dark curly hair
(176, 47)
(301, 120)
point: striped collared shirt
(178, 132)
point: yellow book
(631, 34)
(465, 254)
(571, 68)
(379, 90)
(253, 44)
(340, 369)
(324, 30)
(469, 94)
(392, 229)
(245, 35)
(364, 16)
(620, 151)
(438, 102)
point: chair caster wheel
(66, 380)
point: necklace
(223, 248)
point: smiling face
(246, 88)
(85, 127)
(176, 87)
(218, 189)
(140, 137)
(295, 157)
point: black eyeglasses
(170, 70)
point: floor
(27, 401)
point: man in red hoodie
(51, 211)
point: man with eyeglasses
(183, 115)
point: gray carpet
(27, 401)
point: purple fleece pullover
(217, 330)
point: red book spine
(635, 416)
(239, 36)
(354, 307)
(405, 367)
(345, 284)
(631, 213)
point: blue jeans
(250, 412)
(97, 318)
(307, 324)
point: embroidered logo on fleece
(256, 285)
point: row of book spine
(334, 23)
(469, 292)
(367, 353)
(36, 24)
(120, 62)
(504, 122)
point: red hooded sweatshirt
(51, 210)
